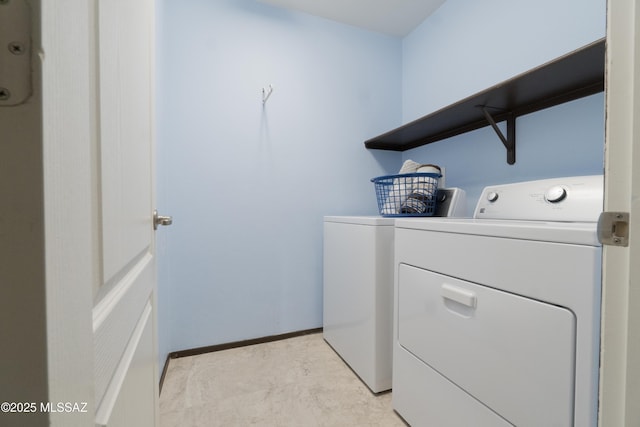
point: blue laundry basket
(406, 195)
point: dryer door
(516, 355)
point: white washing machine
(358, 288)
(496, 318)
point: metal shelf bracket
(510, 140)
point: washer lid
(361, 220)
(579, 233)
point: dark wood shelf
(572, 76)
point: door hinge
(613, 228)
(15, 52)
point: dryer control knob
(555, 194)
(492, 197)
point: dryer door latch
(613, 228)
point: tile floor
(297, 382)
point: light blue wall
(248, 186)
(468, 46)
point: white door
(124, 312)
(97, 64)
(620, 355)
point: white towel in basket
(409, 166)
(400, 190)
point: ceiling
(394, 17)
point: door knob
(160, 220)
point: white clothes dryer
(497, 318)
(358, 289)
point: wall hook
(266, 93)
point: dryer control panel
(571, 199)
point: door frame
(70, 206)
(46, 224)
(620, 346)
